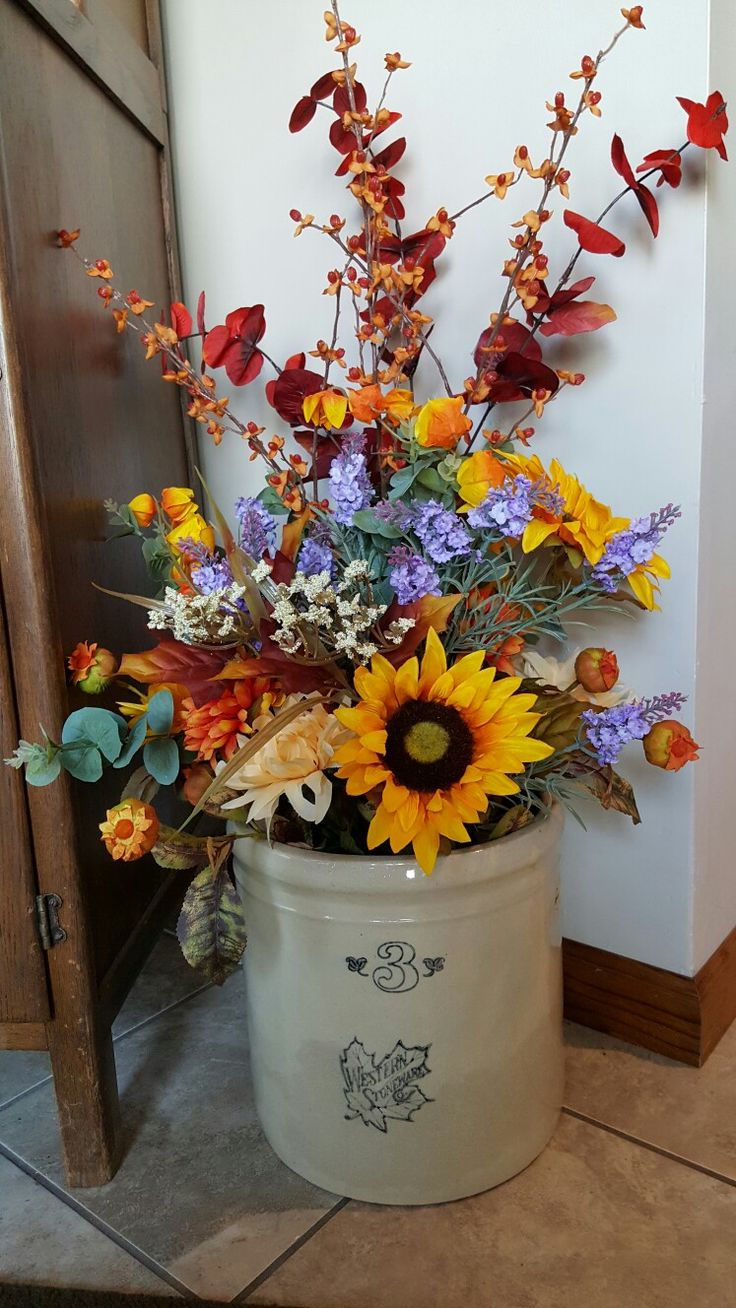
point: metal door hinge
(47, 916)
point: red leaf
(392, 118)
(287, 392)
(670, 163)
(343, 139)
(621, 163)
(342, 103)
(592, 237)
(188, 665)
(394, 189)
(528, 374)
(648, 207)
(233, 346)
(576, 317)
(432, 611)
(181, 319)
(707, 123)
(322, 454)
(200, 314)
(547, 304)
(302, 113)
(389, 157)
(323, 87)
(515, 337)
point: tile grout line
(99, 1223)
(243, 1295)
(6, 1103)
(653, 1148)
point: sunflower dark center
(428, 746)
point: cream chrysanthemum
(291, 763)
(435, 742)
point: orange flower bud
(596, 669)
(198, 778)
(441, 423)
(669, 745)
(92, 668)
(143, 508)
(130, 831)
(178, 502)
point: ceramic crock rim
(469, 863)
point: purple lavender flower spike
(442, 533)
(612, 728)
(315, 558)
(350, 486)
(257, 527)
(212, 576)
(411, 576)
(506, 509)
(633, 546)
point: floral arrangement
(364, 662)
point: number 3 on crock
(398, 972)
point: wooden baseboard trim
(683, 1017)
(23, 1035)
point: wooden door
(83, 417)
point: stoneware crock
(405, 1031)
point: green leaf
(161, 757)
(82, 761)
(161, 712)
(158, 559)
(211, 927)
(131, 744)
(402, 480)
(373, 526)
(178, 852)
(431, 480)
(42, 769)
(96, 726)
(273, 502)
(126, 516)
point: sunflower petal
(380, 828)
(426, 844)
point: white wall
(634, 432)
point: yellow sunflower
(436, 742)
(644, 580)
(583, 524)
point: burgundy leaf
(342, 99)
(389, 157)
(323, 87)
(288, 391)
(200, 314)
(515, 337)
(302, 113)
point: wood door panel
(23, 986)
(101, 422)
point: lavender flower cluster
(612, 728)
(257, 535)
(508, 509)
(442, 533)
(411, 576)
(350, 485)
(632, 547)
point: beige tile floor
(633, 1204)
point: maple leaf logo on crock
(378, 1090)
